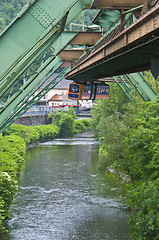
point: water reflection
(63, 196)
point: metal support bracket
(155, 67)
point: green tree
(65, 121)
(9, 10)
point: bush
(12, 148)
(11, 156)
(65, 121)
(47, 131)
(8, 188)
(29, 134)
(2, 215)
(79, 126)
(128, 137)
(86, 122)
(142, 152)
(33, 133)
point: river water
(63, 196)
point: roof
(58, 97)
(61, 98)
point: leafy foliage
(32, 134)
(11, 156)
(12, 148)
(8, 11)
(142, 152)
(128, 135)
(67, 123)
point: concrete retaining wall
(33, 120)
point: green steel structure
(138, 84)
(111, 19)
(28, 49)
(31, 44)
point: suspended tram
(78, 91)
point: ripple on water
(69, 141)
(66, 198)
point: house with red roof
(61, 102)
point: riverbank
(62, 195)
(14, 142)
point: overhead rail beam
(124, 87)
(71, 54)
(34, 99)
(124, 52)
(115, 4)
(31, 83)
(86, 38)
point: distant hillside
(9, 10)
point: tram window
(102, 90)
(75, 91)
(86, 92)
(74, 88)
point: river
(63, 196)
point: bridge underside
(134, 49)
(131, 60)
(31, 49)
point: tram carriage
(75, 91)
(88, 91)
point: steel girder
(141, 86)
(124, 86)
(33, 81)
(24, 62)
(138, 83)
(33, 26)
(29, 44)
(115, 4)
(59, 43)
(32, 40)
(136, 80)
(27, 103)
(127, 48)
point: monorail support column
(145, 7)
(155, 67)
(122, 20)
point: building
(61, 102)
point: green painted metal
(31, 83)
(22, 92)
(53, 66)
(29, 48)
(110, 21)
(25, 92)
(141, 86)
(138, 83)
(59, 43)
(105, 18)
(27, 31)
(124, 86)
(52, 30)
(24, 47)
(19, 111)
